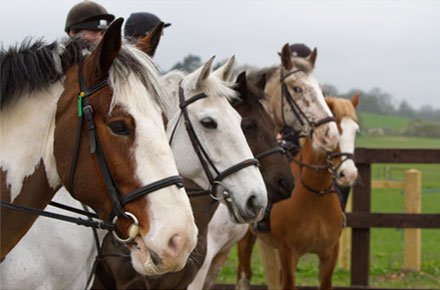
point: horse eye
(209, 123)
(247, 124)
(297, 89)
(120, 128)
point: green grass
(386, 248)
(371, 120)
(390, 124)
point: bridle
(217, 189)
(297, 111)
(117, 199)
(329, 166)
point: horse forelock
(341, 108)
(302, 64)
(212, 86)
(133, 69)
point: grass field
(386, 253)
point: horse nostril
(251, 204)
(155, 258)
(341, 174)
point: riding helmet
(300, 50)
(140, 23)
(88, 15)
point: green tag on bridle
(80, 99)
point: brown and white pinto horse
(312, 219)
(115, 157)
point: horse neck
(28, 170)
(320, 179)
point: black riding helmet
(88, 15)
(300, 50)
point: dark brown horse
(312, 219)
(114, 270)
(80, 121)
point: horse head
(259, 128)
(119, 161)
(345, 170)
(211, 134)
(297, 100)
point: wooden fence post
(345, 240)
(412, 237)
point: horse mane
(341, 108)
(34, 65)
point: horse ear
(107, 49)
(241, 82)
(225, 71)
(286, 57)
(355, 100)
(204, 72)
(312, 57)
(261, 84)
(149, 43)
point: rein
(217, 189)
(296, 109)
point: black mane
(34, 65)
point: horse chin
(141, 259)
(239, 217)
(145, 262)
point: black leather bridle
(299, 114)
(116, 198)
(217, 189)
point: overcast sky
(394, 45)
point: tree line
(374, 101)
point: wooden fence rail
(361, 219)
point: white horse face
(347, 173)
(218, 128)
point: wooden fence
(412, 188)
(361, 220)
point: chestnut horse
(94, 125)
(114, 270)
(312, 219)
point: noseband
(217, 189)
(299, 114)
(117, 199)
(329, 166)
